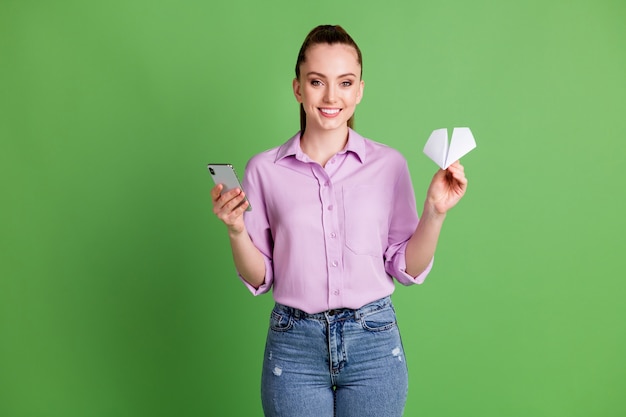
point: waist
(346, 313)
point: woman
(334, 221)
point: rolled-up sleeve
(399, 266)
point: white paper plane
(444, 155)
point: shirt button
(336, 292)
(335, 263)
(333, 235)
(330, 207)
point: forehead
(332, 59)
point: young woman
(334, 221)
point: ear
(296, 90)
(359, 94)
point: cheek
(307, 93)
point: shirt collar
(355, 145)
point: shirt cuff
(267, 282)
(407, 279)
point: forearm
(422, 245)
(248, 259)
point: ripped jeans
(339, 363)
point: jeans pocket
(280, 322)
(380, 320)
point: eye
(346, 83)
(316, 83)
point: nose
(330, 94)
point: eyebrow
(349, 74)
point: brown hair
(330, 34)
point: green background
(117, 292)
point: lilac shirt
(331, 236)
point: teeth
(330, 111)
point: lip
(329, 112)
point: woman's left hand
(447, 188)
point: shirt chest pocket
(365, 221)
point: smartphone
(225, 174)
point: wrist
(430, 213)
(235, 233)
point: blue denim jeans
(338, 363)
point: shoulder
(266, 164)
(262, 159)
(380, 152)
(269, 157)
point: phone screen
(225, 174)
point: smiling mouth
(330, 112)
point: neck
(320, 146)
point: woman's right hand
(229, 207)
